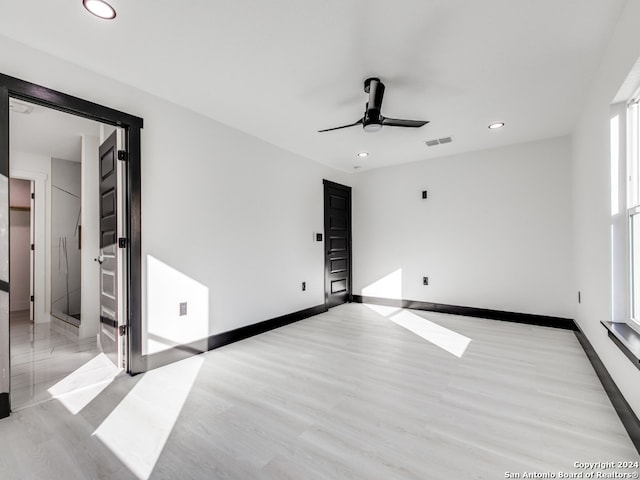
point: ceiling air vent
(439, 141)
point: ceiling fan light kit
(373, 121)
(372, 127)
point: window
(624, 131)
(633, 206)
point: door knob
(100, 259)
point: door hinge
(122, 329)
(122, 155)
(33, 195)
(122, 242)
(33, 247)
(32, 298)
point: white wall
(224, 209)
(233, 214)
(89, 270)
(493, 233)
(593, 219)
(38, 168)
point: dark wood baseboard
(238, 334)
(181, 352)
(5, 405)
(527, 318)
(624, 411)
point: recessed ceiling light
(493, 126)
(363, 154)
(100, 9)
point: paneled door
(337, 232)
(108, 259)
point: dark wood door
(5, 359)
(337, 234)
(108, 248)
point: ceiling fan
(372, 121)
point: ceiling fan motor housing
(368, 81)
(372, 116)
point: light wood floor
(348, 394)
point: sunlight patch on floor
(383, 309)
(138, 428)
(448, 340)
(79, 388)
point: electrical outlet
(424, 194)
(425, 280)
(304, 286)
(183, 309)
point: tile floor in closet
(43, 354)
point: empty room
(320, 240)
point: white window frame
(633, 203)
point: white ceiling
(50, 133)
(283, 69)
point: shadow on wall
(177, 309)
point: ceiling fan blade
(359, 122)
(396, 122)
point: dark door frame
(328, 183)
(132, 125)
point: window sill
(627, 340)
